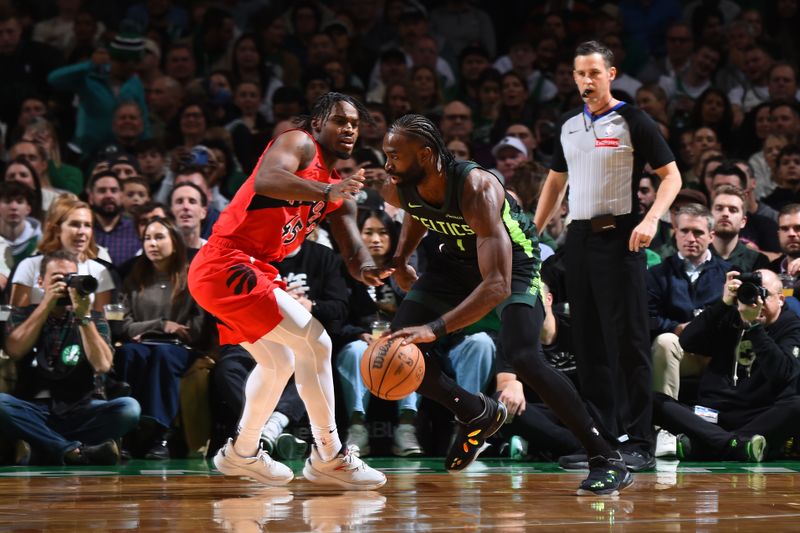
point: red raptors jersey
(267, 228)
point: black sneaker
(106, 453)
(607, 476)
(470, 437)
(158, 452)
(751, 450)
(638, 461)
(683, 447)
(577, 461)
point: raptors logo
(241, 275)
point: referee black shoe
(607, 476)
(471, 436)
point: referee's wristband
(438, 328)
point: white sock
(244, 442)
(275, 425)
(327, 441)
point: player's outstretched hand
(415, 334)
(374, 276)
(405, 276)
(348, 188)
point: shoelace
(352, 460)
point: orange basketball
(391, 370)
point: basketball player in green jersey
(488, 259)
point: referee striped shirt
(604, 156)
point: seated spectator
(162, 323)
(367, 305)
(123, 165)
(101, 84)
(250, 132)
(135, 192)
(787, 172)
(684, 197)
(20, 171)
(789, 238)
(152, 160)
(143, 213)
(215, 201)
(112, 229)
(764, 164)
(19, 231)
(677, 290)
(509, 153)
(188, 206)
(69, 226)
(61, 345)
(748, 392)
(36, 155)
(727, 208)
(762, 221)
(127, 126)
(62, 176)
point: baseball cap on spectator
(511, 142)
(151, 47)
(393, 54)
(690, 196)
(413, 10)
(337, 25)
(126, 46)
(128, 160)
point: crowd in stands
(126, 127)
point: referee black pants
(611, 338)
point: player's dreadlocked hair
(420, 127)
(324, 105)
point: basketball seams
(409, 375)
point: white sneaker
(666, 444)
(405, 441)
(262, 467)
(345, 470)
(518, 448)
(358, 436)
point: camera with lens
(751, 288)
(83, 285)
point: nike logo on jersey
(414, 206)
(573, 131)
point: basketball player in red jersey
(291, 190)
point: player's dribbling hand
(374, 276)
(414, 335)
(405, 276)
(348, 188)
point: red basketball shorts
(238, 290)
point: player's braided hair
(422, 128)
(324, 105)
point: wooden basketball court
(492, 496)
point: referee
(602, 149)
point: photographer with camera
(748, 392)
(59, 345)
